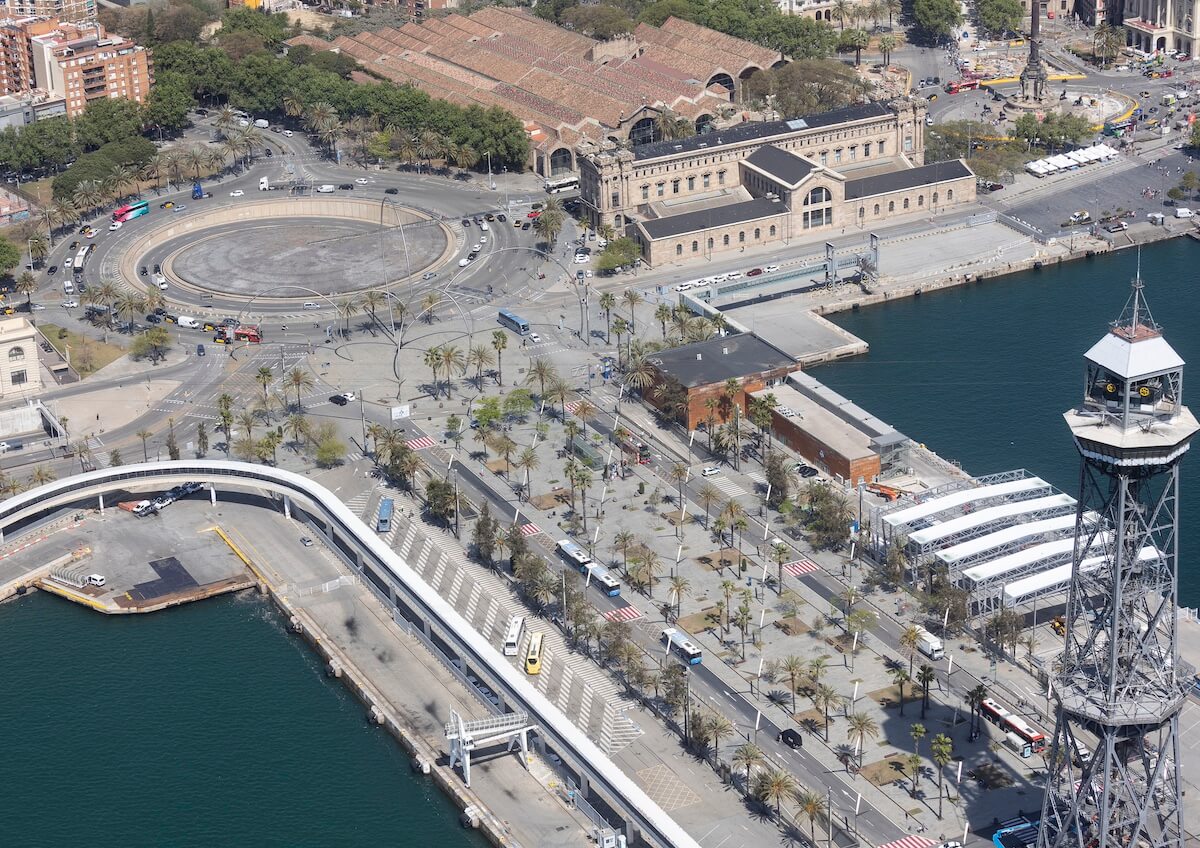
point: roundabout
(334, 247)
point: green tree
(748, 756)
(860, 728)
(998, 17)
(941, 751)
(936, 18)
(773, 785)
(201, 439)
(856, 40)
(152, 343)
(10, 256)
(812, 807)
(900, 677)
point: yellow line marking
(62, 591)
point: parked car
(1117, 227)
(754, 272)
(307, 542)
(237, 192)
(362, 181)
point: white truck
(264, 184)
(189, 322)
(930, 645)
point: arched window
(695, 246)
(725, 240)
(891, 206)
(772, 231)
(920, 200)
(876, 210)
(820, 194)
(691, 183)
(710, 243)
(679, 250)
(675, 186)
(646, 191)
(935, 198)
(757, 234)
(862, 211)
(949, 194)
(742, 237)
(16, 354)
(906, 203)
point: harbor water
(981, 374)
(203, 725)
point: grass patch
(87, 355)
(699, 621)
(882, 772)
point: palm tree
(319, 113)
(917, 732)
(430, 146)
(480, 357)
(433, 361)
(623, 541)
(941, 750)
(128, 306)
(900, 677)
(925, 676)
(860, 727)
(122, 178)
(293, 104)
(144, 434)
(541, 371)
(812, 807)
(631, 298)
(26, 285)
(857, 40)
(372, 300)
(39, 248)
(296, 427)
(894, 7)
(453, 362)
(62, 213)
(774, 785)
(842, 9)
(670, 126)
(41, 475)
(975, 698)
(620, 326)
(662, 314)
(300, 380)
(913, 761)
(679, 587)
(194, 159)
(793, 666)
(748, 756)
(826, 698)
(264, 377)
(608, 302)
(1107, 42)
(719, 727)
(528, 461)
(909, 639)
(550, 222)
(347, 308)
(87, 195)
(464, 156)
(246, 421)
(499, 343)
(887, 44)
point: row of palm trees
(868, 10)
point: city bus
(383, 523)
(562, 184)
(512, 635)
(1010, 722)
(685, 648)
(955, 86)
(131, 211)
(533, 654)
(574, 554)
(80, 260)
(1117, 128)
(603, 579)
(514, 322)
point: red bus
(247, 333)
(955, 86)
(131, 211)
(1009, 722)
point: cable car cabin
(533, 654)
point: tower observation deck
(1120, 685)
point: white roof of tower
(1132, 360)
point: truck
(264, 184)
(930, 645)
(248, 333)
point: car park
(710, 471)
(734, 275)
(682, 287)
(808, 471)
(581, 258)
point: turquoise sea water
(205, 725)
(982, 374)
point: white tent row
(983, 517)
(1070, 161)
(964, 499)
(1056, 578)
(1011, 535)
(1021, 560)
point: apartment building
(70, 11)
(82, 64)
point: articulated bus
(533, 654)
(603, 579)
(514, 322)
(562, 184)
(383, 523)
(1010, 722)
(512, 635)
(574, 554)
(80, 260)
(131, 211)
(677, 641)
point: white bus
(678, 641)
(562, 184)
(574, 554)
(512, 636)
(603, 579)
(80, 260)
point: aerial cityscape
(617, 424)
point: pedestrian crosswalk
(800, 566)
(757, 477)
(530, 530)
(420, 443)
(625, 613)
(727, 487)
(910, 842)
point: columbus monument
(1033, 75)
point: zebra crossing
(625, 613)
(757, 477)
(727, 487)
(804, 565)
(420, 443)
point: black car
(52, 270)
(501, 217)
(157, 268)
(74, 246)
(466, 222)
(392, 190)
(808, 471)
(153, 319)
(229, 322)
(791, 738)
(526, 225)
(473, 255)
(160, 311)
(199, 350)
(346, 187)
(142, 270)
(338, 400)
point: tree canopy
(806, 86)
(999, 16)
(937, 18)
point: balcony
(1145, 26)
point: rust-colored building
(692, 374)
(84, 63)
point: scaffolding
(465, 736)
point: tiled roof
(717, 216)
(750, 52)
(910, 178)
(307, 40)
(784, 167)
(528, 26)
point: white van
(325, 189)
(189, 322)
(264, 184)
(95, 579)
(68, 287)
(1183, 212)
(262, 123)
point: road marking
(625, 613)
(800, 566)
(530, 530)
(420, 443)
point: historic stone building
(770, 182)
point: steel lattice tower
(1113, 766)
